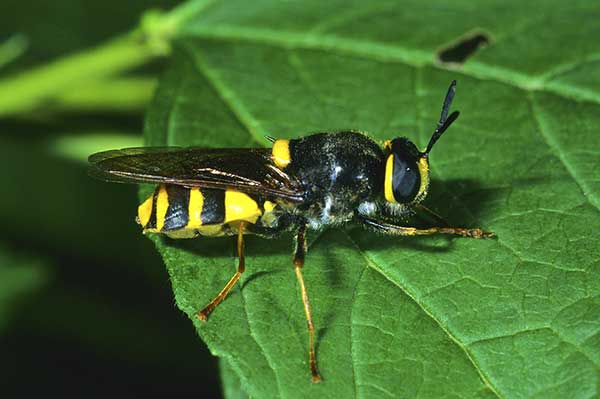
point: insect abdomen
(183, 212)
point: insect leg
(392, 229)
(203, 314)
(298, 262)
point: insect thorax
(339, 172)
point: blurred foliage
(86, 307)
(51, 30)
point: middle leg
(203, 314)
(298, 263)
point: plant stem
(30, 89)
(64, 79)
(116, 94)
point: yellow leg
(298, 263)
(203, 314)
(392, 229)
(458, 231)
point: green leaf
(232, 386)
(511, 317)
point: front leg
(392, 229)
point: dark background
(86, 307)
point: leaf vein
(554, 146)
(257, 341)
(385, 53)
(351, 324)
(227, 96)
(372, 264)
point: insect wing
(244, 169)
(101, 156)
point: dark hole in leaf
(466, 47)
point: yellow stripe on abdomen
(195, 209)
(162, 204)
(145, 211)
(240, 207)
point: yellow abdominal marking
(145, 211)
(387, 185)
(240, 207)
(281, 153)
(195, 206)
(162, 204)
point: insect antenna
(445, 120)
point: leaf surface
(512, 317)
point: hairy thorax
(339, 172)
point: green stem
(116, 94)
(31, 88)
(62, 80)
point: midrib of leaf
(391, 53)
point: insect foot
(478, 233)
(201, 316)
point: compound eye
(406, 179)
(402, 178)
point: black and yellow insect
(321, 180)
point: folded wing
(248, 170)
